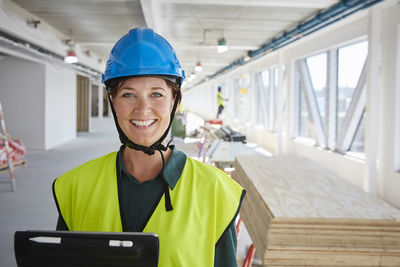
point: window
(260, 98)
(243, 96)
(266, 96)
(273, 98)
(351, 60)
(268, 93)
(311, 77)
(304, 126)
(357, 144)
(333, 83)
(317, 66)
(236, 99)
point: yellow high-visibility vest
(220, 99)
(205, 202)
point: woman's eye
(127, 95)
(157, 95)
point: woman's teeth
(142, 123)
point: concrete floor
(31, 206)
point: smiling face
(143, 106)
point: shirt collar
(172, 170)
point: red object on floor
(17, 152)
(238, 225)
(216, 121)
(248, 261)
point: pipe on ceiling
(16, 44)
(322, 19)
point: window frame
(327, 135)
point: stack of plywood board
(299, 214)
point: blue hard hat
(142, 52)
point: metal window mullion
(267, 98)
(252, 88)
(280, 103)
(256, 106)
(261, 107)
(271, 98)
(256, 99)
(263, 99)
(296, 101)
(231, 112)
(354, 114)
(251, 100)
(236, 99)
(331, 99)
(261, 115)
(274, 99)
(312, 105)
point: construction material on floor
(221, 144)
(17, 153)
(12, 152)
(299, 214)
(225, 152)
(227, 134)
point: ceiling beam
(214, 47)
(204, 63)
(180, 46)
(151, 13)
(96, 43)
(259, 3)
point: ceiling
(192, 26)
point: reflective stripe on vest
(205, 202)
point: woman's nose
(142, 105)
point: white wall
(22, 97)
(39, 102)
(378, 170)
(60, 103)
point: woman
(148, 185)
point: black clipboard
(64, 248)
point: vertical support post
(253, 99)
(397, 109)
(280, 105)
(257, 98)
(294, 94)
(271, 99)
(331, 99)
(3, 135)
(263, 98)
(373, 89)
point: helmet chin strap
(149, 150)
